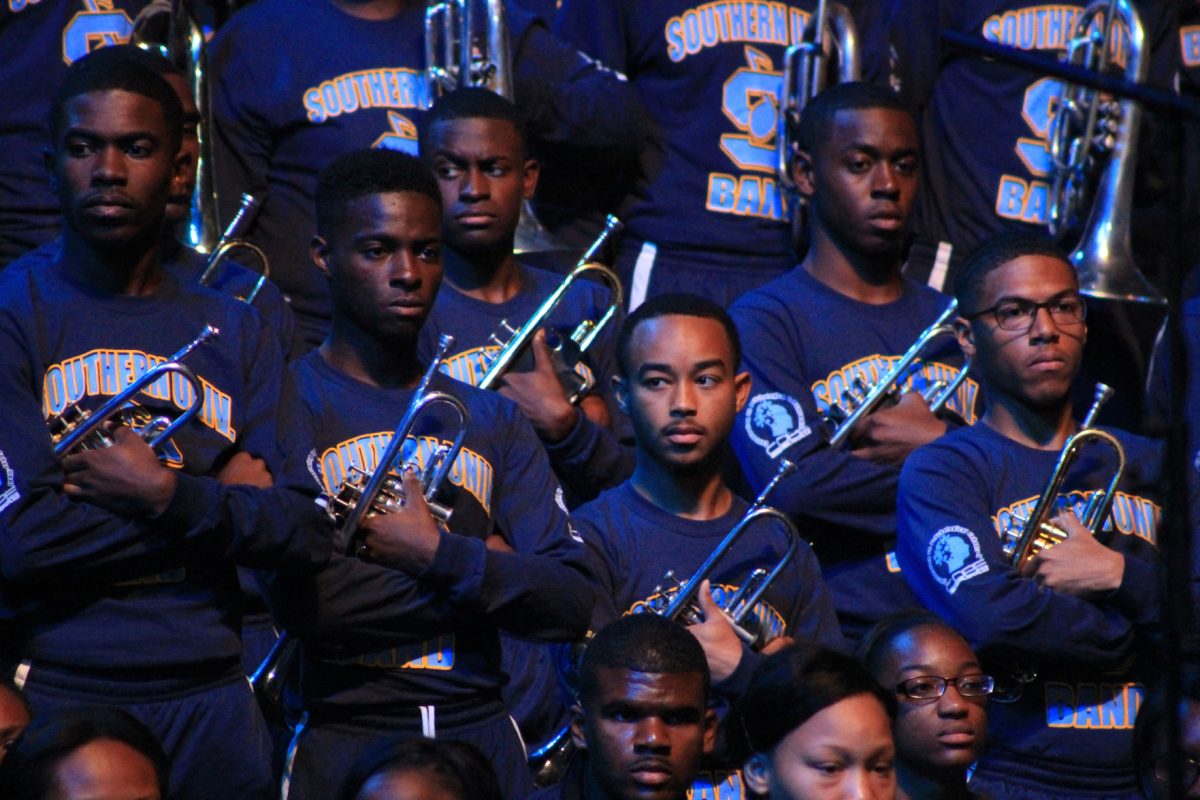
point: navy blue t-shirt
(959, 497)
(803, 344)
(378, 640)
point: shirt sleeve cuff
(457, 567)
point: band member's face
(106, 770)
(1035, 366)
(384, 262)
(181, 192)
(645, 733)
(13, 719)
(406, 784)
(684, 391)
(943, 732)
(484, 177)
(863, 179)
(842, 751)
(113, 167)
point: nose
(474, 185)
(1042, 327)
(862, 785)
(652, 735)
(683, 399)
(109, 165)
(404, 268)
(884, 182)
(951, 703)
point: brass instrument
(181, 41)
(867, 400)
(806, 72)
(549, 762)
(230, 242)
(1086, 131)
(364, 495)
(1037, 532)
(76, 429)
(570, 351)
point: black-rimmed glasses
(1018, 314)
(927, 687)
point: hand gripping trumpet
(76, 429)
(684, 606)
(230, 243)
(1037, 532)
(568, 353)
(364, 495)
(868, 400)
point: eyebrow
(1018, 298)
(875, 152)
(86, 133)
(928, 669)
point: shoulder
(607, 505)
(962, 449)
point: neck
(491, 277)
(132, 270)
(374, 10)
(1040, 428)
(385, 364)
(699, 494)
(867, 278)
(914, 785)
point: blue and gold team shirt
(378, 641)
(298, 83)
(960, 498)
(633, 543)
(42, 38)
(985, 125)
(147, 597)
(804, 344)
(709, 75)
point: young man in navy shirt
(1062, 632)
(150, 617)
(845, 314)
(404, 639)
(680, 385)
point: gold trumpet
(1085, 132)
(364, 495)
(230, 242)
(868, 399)
(76, 429)
(568, 352)
(1037, 532)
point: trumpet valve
(504, 324)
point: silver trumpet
(571, 350)
(76, 429)
(855, 407)
(231, 242)
(807, 71)
(364, 495)
(1087, 132)
(1037, 531)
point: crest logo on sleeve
(775, 422)
(8, 485)
(954, 557)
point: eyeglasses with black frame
(928, 687)
(1162, 769)
(1018, 314)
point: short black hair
(795, 684)
(27, 771)
(816, 121)
(641, 643)
(118, 68)
(994, 253)
(472, 102)
(876, 645)
(681, 304)
(369, 171)
(457, 767)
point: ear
(179, 169)
(802, 173)
(756, 773)
(529, 183)
(965, 336)
(741, 387)
(318, 251)
(621, 393)
(710, 731)
(578, 738)
(51, 173)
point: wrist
(162, 491)
(559, 423)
